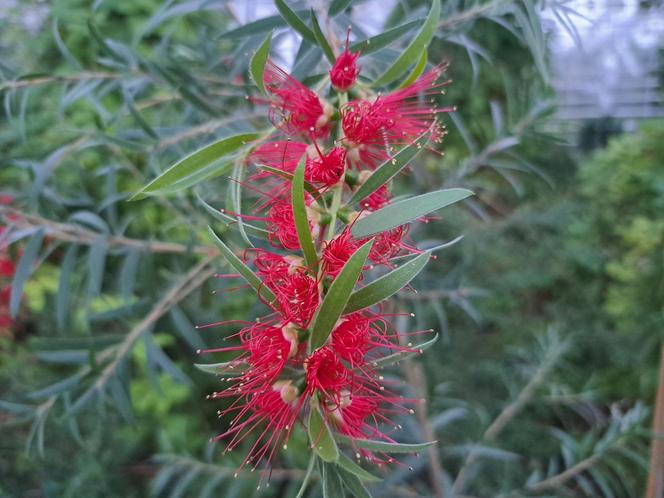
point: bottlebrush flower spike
(307, 355)
(344, 71)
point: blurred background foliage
(549, 309)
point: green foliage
(623, 187)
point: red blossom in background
(7, 269)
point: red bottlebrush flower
(321, 168)
(337, 251)
(271, 266)
(389, 244)
(350, 415)
(281, 225)
(270, 412)
(266, 349)
(294, 107)
(328, 168)
(373, 128)
(7, 267)
(6, 320)
(351, 338)
(325, 373)
(270, 348)
(344, 71)
(377, 199)
(282, 154)
(357, 334)
(297, 296)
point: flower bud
(343, 74)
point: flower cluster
(275, 376)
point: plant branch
(69, 232)
(560, 479)
(12, 85)
(507, 415)
(182, 288)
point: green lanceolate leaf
(338, 6)
(369, 444)
(294, 21)
(230, 221)
(183, 173)
(254, 28)
(387, 285)
(417, 70)
(287, 176)
(307, 476)
(353, 484)
(332, 485)
(350, 466)
(403, 355)
(382, 40)
(407, 210)
(257, 64)
(337, 296)
(320, 436)
(390, 168)
(216, 368)
(241, 268)
(321, 40)
(26, 266)
(414, 49)
(301, 218)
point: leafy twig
(508, 413)
(69, 232)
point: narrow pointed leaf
(177, 176)
(338, 6)
(353, 484)
(301, 219)
(337, 296)
(332, 486)
(320, 436)
(321, 40)
(216, 368)
(254, 28)
(231, 221)
(257, 64)
(414, 49)
(382, 40)
(62, 297)
(307, 476)
(288, 176)
(387, 285)
(407, 210)
(294, 21)
(390, 168)
(241, 268)
(350, 466)
(369, 444)
(235, 199)
(24, 269)
(417, 70)
(403, 355)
